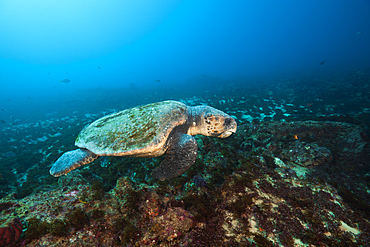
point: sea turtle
(148, 131)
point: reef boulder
(10, 231)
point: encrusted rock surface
(272, 184)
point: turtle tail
(71, 160)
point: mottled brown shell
(139, 131)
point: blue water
(43, 42)
(264, 60)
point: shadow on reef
(272, 183)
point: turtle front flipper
(71, 160)
(180, 156)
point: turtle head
(212, 122)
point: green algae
(37, 228)
(58, 228)
(77, 218)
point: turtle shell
(139, 131)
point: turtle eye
(227, 121)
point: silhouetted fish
(2, 121)
(9, 154)
(99, 67)
(322, 62)
(65, 80)
(157, 80)
(359, 33)
(132, 85)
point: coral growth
(272, 184)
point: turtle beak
(230, 127)
(225, 134)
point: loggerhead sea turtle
(148, 131)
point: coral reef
(272, 184)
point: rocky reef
(303, 183)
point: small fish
(2, 121)
(56, 135)
(2, 109)
(99, 67)
(65, 80)
(17, 121)
(157, 80)
(359, 33)
(9, 154)
(322, 62)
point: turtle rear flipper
(71, 160)
(180, 156)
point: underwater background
(294, 74)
